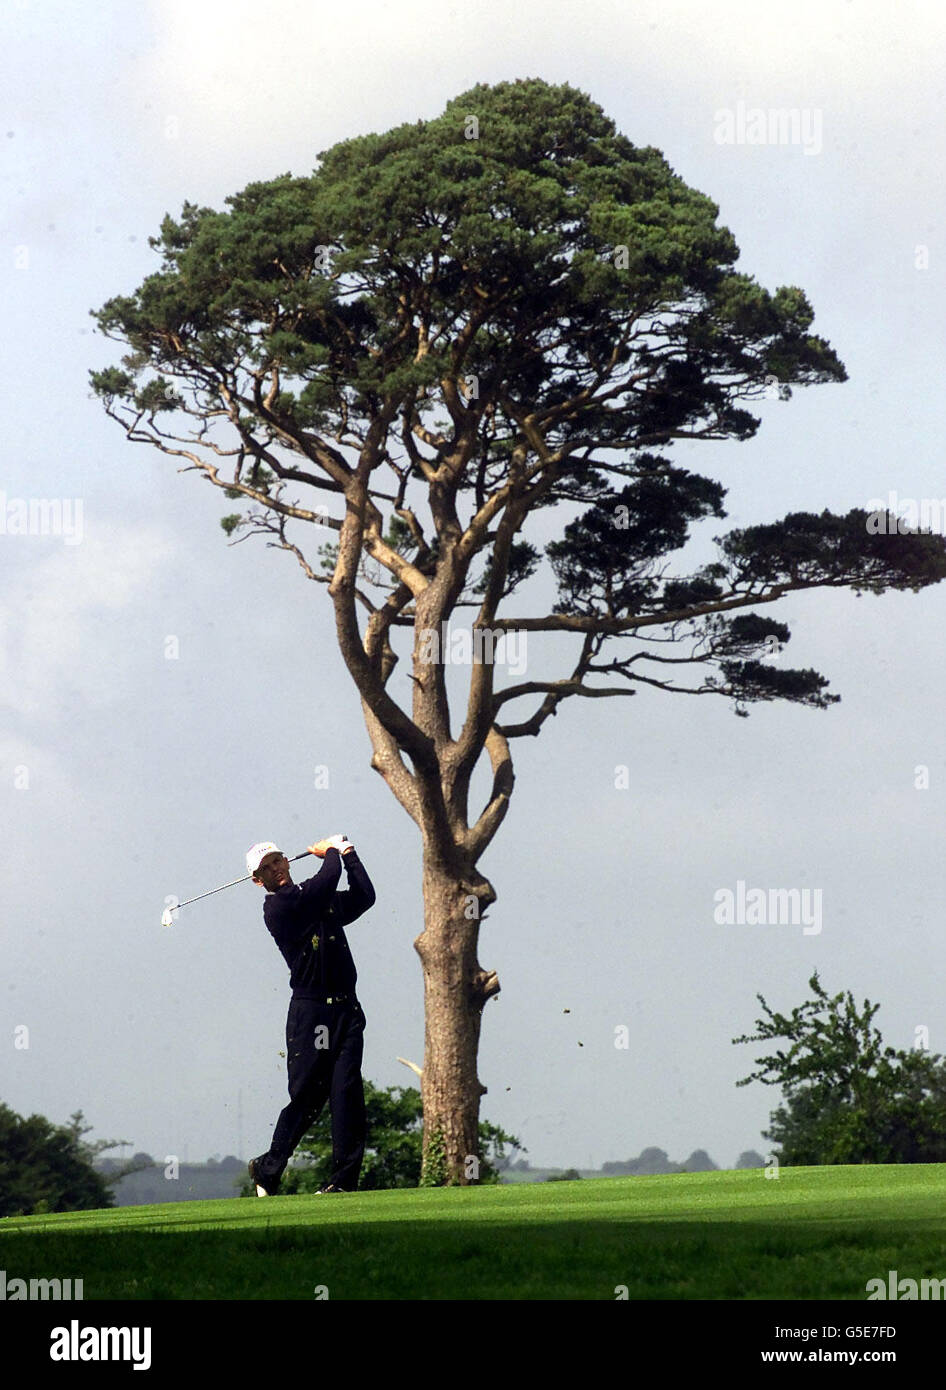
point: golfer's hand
(319, 848)
(339, 842)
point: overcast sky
(127, 776)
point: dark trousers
(324, 1048)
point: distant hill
(195, 1182)
(656, 1161)
(650, 1161)
(224, 1177)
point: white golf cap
(258, 853)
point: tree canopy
(568, 305)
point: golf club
(166, 919)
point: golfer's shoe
(264, 1187)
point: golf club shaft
(244, 879)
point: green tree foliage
(848, 1098)
(393, 1155)
(488, 307)
(47, 1167)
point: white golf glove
(340, 842)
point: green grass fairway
(811, 1233)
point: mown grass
(812, 1233)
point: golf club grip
(303, 855)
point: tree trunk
(455, 991)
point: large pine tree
(443, 329)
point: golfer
(325, 1025)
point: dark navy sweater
(306, 920)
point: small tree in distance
(848, 1099)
